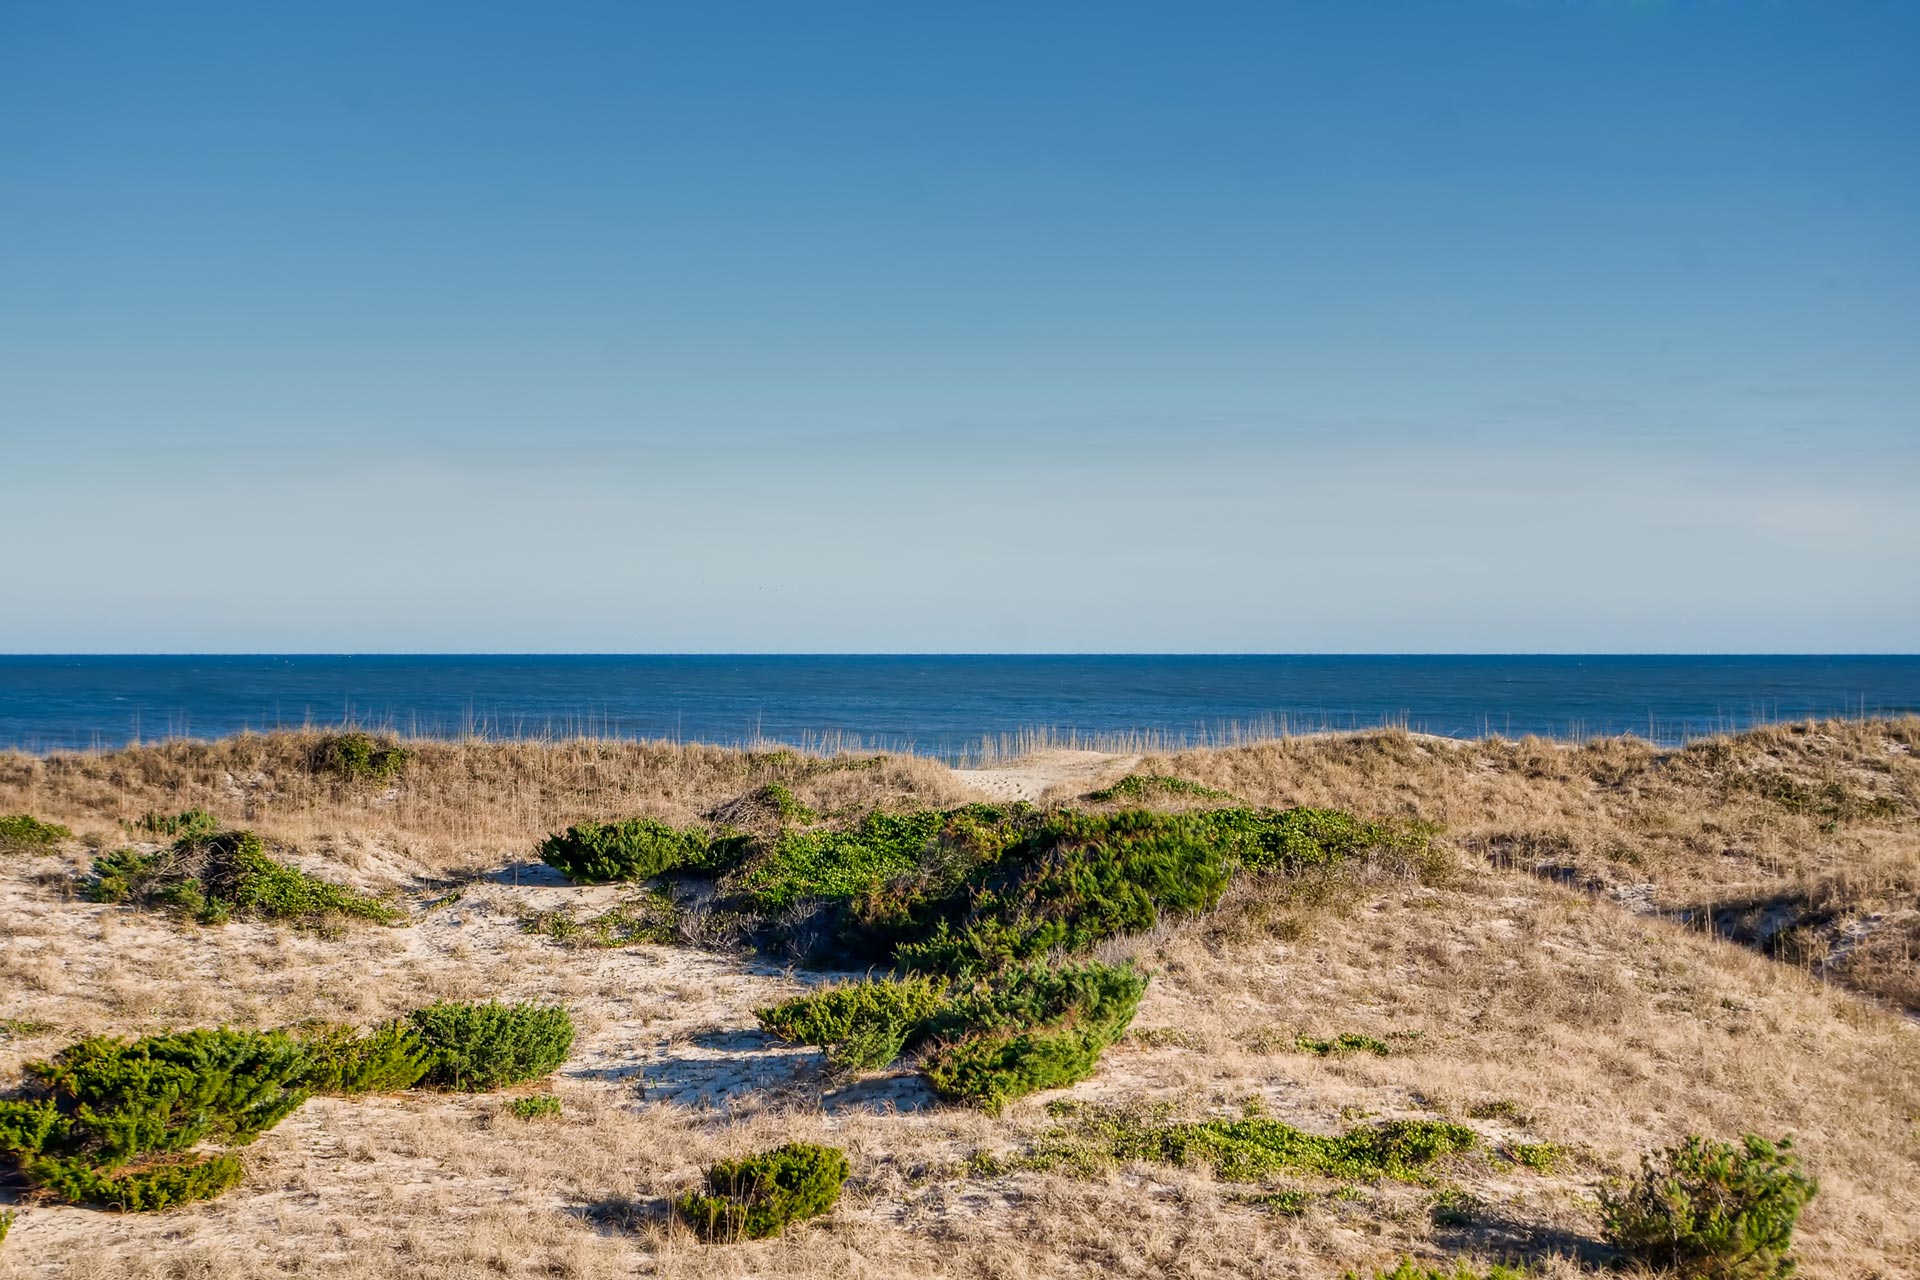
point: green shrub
(106, 1103)
(167, 1092)
(156, 1187)
(1141, 786)
(360, 757)
(120, 875)
(1068, 880)
(477, 1047)
(534, 1106)
(344, 1060)
(1037, 994)
(863, 1026)
(991, 1069)
(838, 864)
(636, 849)
(1035, 1028)
(1411, 1270)
(1074, 881)
(871, 1046)
(7, 1217)
(969, 890)
(192, 824)
(217, 877)
(117, 1123)
(1710, 1210)
(758, 1196)
(26, 1124)
(1294, 838)
(238, 872)
(1029, 1028)
(23, 833)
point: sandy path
(1032, 776)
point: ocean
(942, 705)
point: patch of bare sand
(1032, 777)
(1062, 773)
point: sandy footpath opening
(1032, 776)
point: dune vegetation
(1373, 1004)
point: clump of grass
(862, 1026)
(1345, 1042)
(760, 1195)
(1290, 1203)
(7, 1217)
(1250, 1149)
(1144, 786)
(635, 849)
(1165, 1038)
(215, 878)
(24, 833)
(360, 757)
(1831, 800)
(1453, 1207)
(24, 1026)
(1499, 1109)
(477, 1047)
(647, 917)
(535, 1106)
(1713, 1210)
(1035, 1028)
(190, 824)
(117, 1123)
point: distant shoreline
(946, 707)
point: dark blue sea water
(943, 705)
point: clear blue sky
(1548, 325)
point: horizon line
(961, 653)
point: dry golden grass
(461, 805)
(1801, 838)
(1584, 1018)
